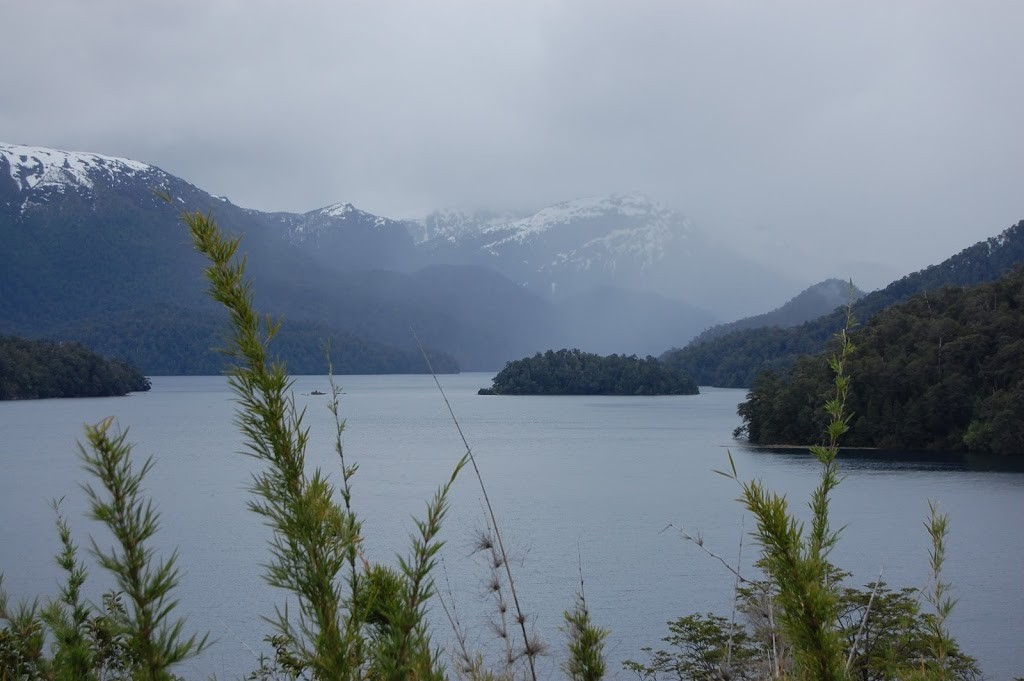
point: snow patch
(39, 167)
(338, 210)
(633, 208)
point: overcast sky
(863, 139)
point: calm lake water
(577, 482)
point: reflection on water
(897, 460)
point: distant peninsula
(573, 372)
(943, 370)
(35, 369)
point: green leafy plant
(701, 646)
(586, 660)
(807, 593)
(377, 627)
(133, 635)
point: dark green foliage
(572, 372)
(109, 268)
(172, 340)
(889, 637)
(734, 360)
(884, 635)
(945, 370)
(702, 647)
(39, 369)
(821, 299)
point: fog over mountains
(625, 241)
(89, 244)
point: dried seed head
(484, 542)
(534, 647)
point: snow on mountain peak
(337, 210)
(452, 224)
(630, 213)
(39, 167)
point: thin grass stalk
(799, 565)
(530, 648)
(863, 621)
(937, 595)
(354, 529)
(467, 661)
(312, 535)
(735, 598)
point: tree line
(175, 341)
(735, 359)
(573, 372)
(36, 369)
(944, 371)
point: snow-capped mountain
(626, 241)
(315, 224)
(92, 253)
(570, 246)
(343, 236)
(87, 236)
(37, 174)
(41, 168)
(33, 176)
(452, 225)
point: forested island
(33, 369)
(573, 372)
(943, 371)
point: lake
(600, 485)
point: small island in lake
(573, 372)
(34, 369)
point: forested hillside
(169, 340)
(572, 372)
(811, 303)
(92, 247)
(734, 360)
(105, 262)
(37, 369)
(944, 370)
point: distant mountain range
(734, 359)
(622, 241)
(811, 303)
(93, 252)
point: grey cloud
(783, 128)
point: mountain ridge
(813, 302)
(89, 238)
(735, 359)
